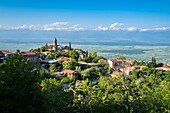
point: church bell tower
(55, 48)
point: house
(63, 47)
(168, 64)
(116, 74)
(117, 64)
(128, 70)
(139, 67)
(102, 61)
(83, 65)
(70, 73)
(8, 54)
(65, 59)
(95, 65)
(2, 56)
(46, 52)
(33, 56)
(82, 56)
(164, 68)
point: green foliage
(42, 56)
(104, 66)
(90, 73)
(44, 48)
(53, 55)
(145, 91)
(18, 51)
(64, 54)
(93, 57)
(73, 54)
(70, 64)
(152, 64)
(67, 80)
(59, 65)
(143, 94)
(121, 57)
(57, 100)
(139, 63)
(19, 87)
(52, 68)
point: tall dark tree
(20, 90)
(69, 45)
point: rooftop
(93, 64)
(29, 53)
(81, 62)
(7, 52)
(65, 59)
(49, 61)
(68, 71)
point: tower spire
(55, 48)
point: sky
(78, 15)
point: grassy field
(145, 53)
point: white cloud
(49, 27)
(20, 27)
(155, 29)
(116, 25)
(101, 28)
(132, 29)
(65, 26)
(120, 27)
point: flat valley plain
(133, 52)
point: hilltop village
(61, 79)
(64, 61)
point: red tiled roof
(29, 53)
(69, 71)
(7, 52)
(65, 59)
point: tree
(121, 57)
(69, 45)
(20, 87)
(104, 66)
(90, 73)
(52, 55)
(152, 64)
(73, 54)
(52, 68)
(70, 64)
(93, 57)
(44, 48)
(57, 100)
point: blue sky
(85, 14)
